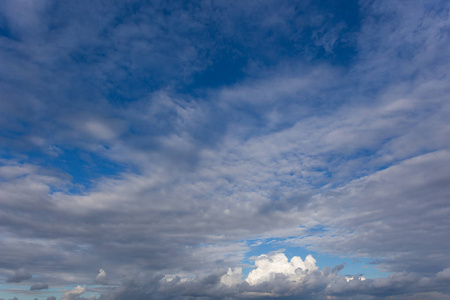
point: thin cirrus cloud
(149, 147)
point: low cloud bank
(277, 277)
(274, 277)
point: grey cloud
(220, 222)
(39, 286)
(184, 202)
(400, 210)
(444, 275)
(19, 276)
(316, 285)
(51, 298)
(337, 268)
(411, 48)
(101, 277)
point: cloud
(274, 276)
(401, 205)
(101, 277)
(444, 275)
(19, 276)
(280, 279)
(170, 134)
(74, 294)
(232, 277)
(39, 286)
(269, 266)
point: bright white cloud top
(224, 150)
(267, 267)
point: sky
(224, 149)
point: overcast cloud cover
(202, 149)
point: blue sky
(224, 150)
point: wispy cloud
(152, 140)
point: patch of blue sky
(226, 69)
(234, 57)
(368, 159)
(352, 265)
(22, 291)
(5, 30)
(83, 167)
(332, 36)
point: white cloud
(350, 278)
(269, 266)
(232, 277)
(99, 130)
(11, 171)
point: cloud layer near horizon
(156, 140)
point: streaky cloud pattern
(224, 149)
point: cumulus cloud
(19, 276)
(232, 277)
(355, 277)
(269, 266)
(74, 294)
(101, 277)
